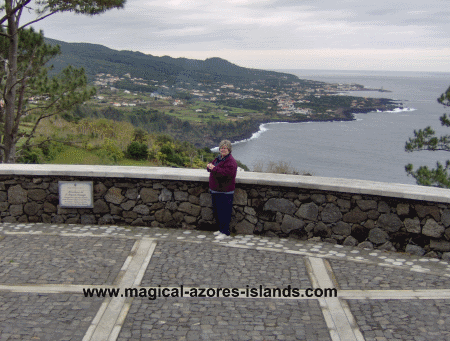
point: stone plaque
(76, 194)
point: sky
(392, 35)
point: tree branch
(36, 20)
(31, 134)
(13, 11)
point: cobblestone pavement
(247, 287)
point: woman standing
(222, 180)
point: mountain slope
(97, 59)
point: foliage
(111, 151)
(445, 98)
(46, 152)
(33, 155)
(171, 152)
(247, 103)
(36, 95)
(241, 165)
(102, 141)
(183, 95)
(168, 155)
(96, 58)
(437, 177)
(131, 86)
(23, 56)
(51, 149)
(280, 167)
(137, 150)
(156, 122)
(96, 130)
(147, 120)
(426, 139)
(140, 135)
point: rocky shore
(344, 115)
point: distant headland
(201, 101)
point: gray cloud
(254, 25)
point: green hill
(100, 59)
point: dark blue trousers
(222, 208)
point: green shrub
(161, 139)
(167, 155)
(241, 165)
(137, 151)
(33, 155)
(279, 167)
(110, 151)
(51, 150)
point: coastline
(369, 148)
(252, 135)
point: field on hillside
(107, 142)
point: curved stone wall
(397, 217)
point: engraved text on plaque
(76, 194)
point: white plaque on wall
(76, 194)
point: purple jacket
(223, 177)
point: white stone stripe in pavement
(120, 321)
(141, 273)
(338, 317)
(422, 294)
(50, 288)
(109, 319)
(405, 262)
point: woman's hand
(210, 166)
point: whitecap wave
(262, 129)
(397, 110)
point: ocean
(372, 147)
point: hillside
(100, 59)
(202, 101)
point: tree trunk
(10, 93)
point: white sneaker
(222, 236)
(217, 233)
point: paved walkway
(45, 270)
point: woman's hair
(225, 143)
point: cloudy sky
(412, 35)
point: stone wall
(365, 220)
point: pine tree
(22, 63)
(426, 139)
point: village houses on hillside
(287, 103)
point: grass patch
(77, 156)
(143, 163)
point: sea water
(372, 147)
